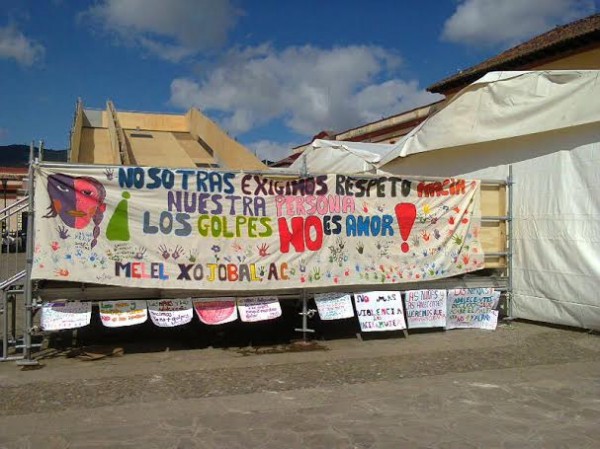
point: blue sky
(272, 73)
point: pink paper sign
(216, 311)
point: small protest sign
(62, 315)
(379, 311)
(170, 312)
(491, 321)
(425, 308)
(260, 308)
(472, 308)
(216, 311)
(123, 313)
(334, 306)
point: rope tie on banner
(309, 313)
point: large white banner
(197, 229)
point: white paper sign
(379, 311)
(65, 315)
(123, 313)
(334, 306)
(491, 321)
(216, 311)
(471, 308)
(425, 308)
(261, 308)
(170, 312)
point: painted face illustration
(76, 200)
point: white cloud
(15, 45)
(170, 29)
(270, 150)
(480, 23)
(3, 133)
(308, 88)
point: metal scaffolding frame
(35, 295)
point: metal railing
(9, 290)
(12, 273)
(16, 257)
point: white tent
(547, 126)
(341, 157)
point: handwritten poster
(216, 311)
(472, 308)
(62, 315)
(491, 322)
(379, 311)
(170, 312)
(123, 313)
(334, 306)
(425, 308)
(197, 229)
(261, 308)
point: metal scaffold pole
(29, 306)
(306, 314)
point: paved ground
(522, 386)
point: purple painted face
(75, 200)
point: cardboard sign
(123, 313)
(472, 308)
(379, 311)
(425, 308)
(261, 308)
(170, 312)
(62, 315)
(216, 311)
(197, 229)
(334, 306)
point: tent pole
(510, 186)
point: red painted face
(76, 200)
(87, 202)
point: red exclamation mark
(406, 214)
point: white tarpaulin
(546, 125)
(196, 229)
(506, 105)
(326, 156)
